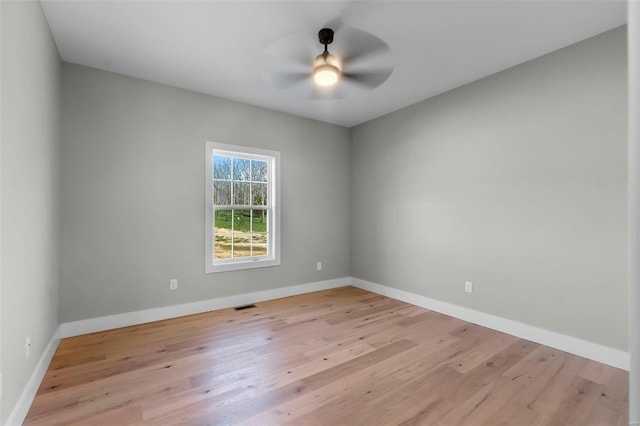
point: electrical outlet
(173, 284)
(468, 286)
(27, 346)
(319, 266)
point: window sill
(238, 266)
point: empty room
(319, 212)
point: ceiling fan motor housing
(325, 36)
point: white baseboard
(20, 410)
(583, 348)
(109, 322)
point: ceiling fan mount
(325, 36)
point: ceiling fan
(359, 60)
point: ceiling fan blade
(347, 13)
(298, 48)
(357, 45)
(335, 24)
(371, 79)
(286, 80)
(327, 94)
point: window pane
(259, 221)
(259, 193)
(221, 167)
(259, 244)
(241, 193)
(221, 193)
(223, 219)
(241, 169)
(242, 220)
(259, 171)
(241, 244)
(222, 246)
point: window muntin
(242, 218)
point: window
(242, 218)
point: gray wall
(516, 182)
(133, 194)
(30, 85)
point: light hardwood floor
(336, 357)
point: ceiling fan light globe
(325, 75)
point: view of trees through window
(241, 207)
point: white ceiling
(218, 47)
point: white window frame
(273, 248)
